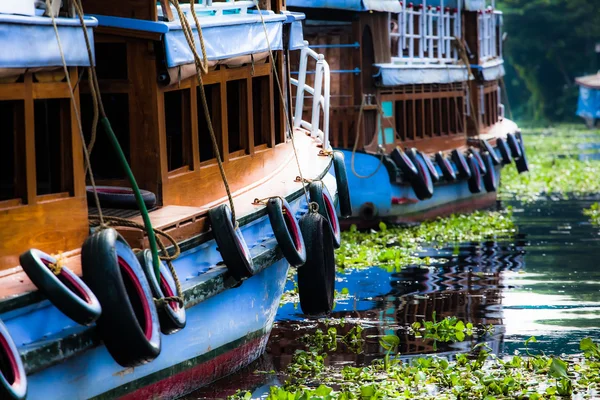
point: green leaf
(558, 368)
(460, 336)
(460, 326)
(389, 342)
(323, 390)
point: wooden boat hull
(397, 202)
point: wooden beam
(30, 141)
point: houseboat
(588, 105)
(154, 193)
(416, 90)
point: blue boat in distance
(416, 103)
(588, 104)
(153, 193)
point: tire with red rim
(341, 178)
(319, 194)
(119, 197)
(447, 170)
(287, 231)
(433, 173)
(66, 290)
(464, 171)
(475, 179)
(477, 156)
(231, 243)
(422, 184)
(490, 179)
(13, 381)
(316, 279)
(171, 315)
(129, 323)
(504, 151)
(486, 146)
(402, 161)
(513, 145)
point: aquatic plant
(593, 213)
(561, 165)
(478, 375)
(396, 247)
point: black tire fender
(119, 197)
(475, 179)
(422, 184)
(319, 194)
(521, 163)
(287, 231)
(490, 179)
(464, 171)
(66, 290)
(343, 188)
(513, 145)
(504, 151)
(171, 315)
(316, 279)
(129, 323)
(447, 170)
(13, 380)
(433, 173)
(408, 169)
(477, 156)
(231, 243)
(486, 146)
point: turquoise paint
(388, 109)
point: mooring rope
(462, 53)
(356, 137)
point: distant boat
(588, 105)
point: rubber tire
(422, 184)
(474, 181)
(119, 200)
(316, 279)
(343, 188)
(118, 326)
(283, 225)
(433, 173)
(18, 389)
(521, 163)
(317, 192)
(172, 317)
(486, 146)
(231, 243)
(408, 169)
(490, 179)
(504, 151)
(464, 171)
(82, 307)
(447, 170)
(513, 145)
(477, 156)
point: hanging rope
(311, 206)
(111, 135)
(462, 53)
(165, 256)
(356, 137)
(506, 97)
(202, 67)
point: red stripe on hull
(202, 374)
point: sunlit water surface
(543, 283)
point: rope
(284, 105)
(90, 146)
(462, 53)
(94, 220)
(114, 141)
(360, 115)
(75, 110)
(506, 97)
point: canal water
(543, 283)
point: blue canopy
(30, 42)
(588, 106)
(367, 5)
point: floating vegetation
(394, 248)
(593, 213)
(449, 329)
(564, 161)
(478, 375)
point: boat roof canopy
(589, 81)
(374, 5)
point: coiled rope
(356, 137)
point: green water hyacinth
(593, 213)
(561, 161)
(397, 247)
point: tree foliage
(549, 43)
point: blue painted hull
(380, 192)
(224, 332)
